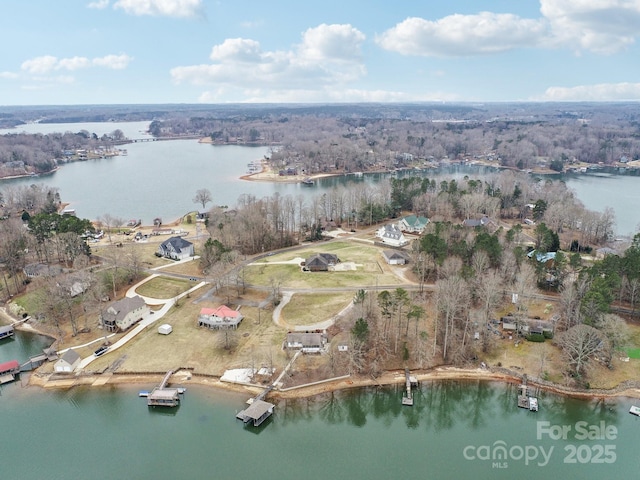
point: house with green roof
(413, 224)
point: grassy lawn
(164, 287)
(308, 309)
(202, 349)
(371, 268)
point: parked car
(101, 351)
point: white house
(391, 235)
(68, 362)
(219, 318)
(124, 313)
(176, 248)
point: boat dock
(407, 397)
(6, 331)
(8, 371)
(525, 400)
(161, 396)
(258, 410)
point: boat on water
(533, 404)
(634, 410)
(308, 181)
(143, 393)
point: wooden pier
(407, 397)
(161, 396)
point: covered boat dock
(257, 412)
(162, 396)
(8, 371)
(6, 331)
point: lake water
(161, 178)
(366, 433)
(108, 432)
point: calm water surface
(107, 433)
(161, 178)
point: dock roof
(10, 365)
(257, 409)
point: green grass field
(633, 352)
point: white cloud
(99, 4)
(600, 26)
(460, 35)
(48, 63)
(329, 55)
(598, 93)
(40, 65)
(9, 75)
(237, 50)
(332, 42)
(74, 63)
(166, 8)
(114, 62)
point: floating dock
(6, 331)
(161, 396)
(525, 400)
(407, 397)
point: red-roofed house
(218, 318)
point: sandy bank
(186, 378)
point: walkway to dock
(161, 396)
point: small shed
(165, 329)
(68, 362)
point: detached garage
(165, 329)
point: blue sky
(222, 51)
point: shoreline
(185, 377)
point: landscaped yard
(371, 268)
(202, 349)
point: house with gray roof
(308, 342)
(176, 248)
(475, 222)
(124, 313)
(320, 262)
(68, 362)
(391, 235)
(395, 257)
